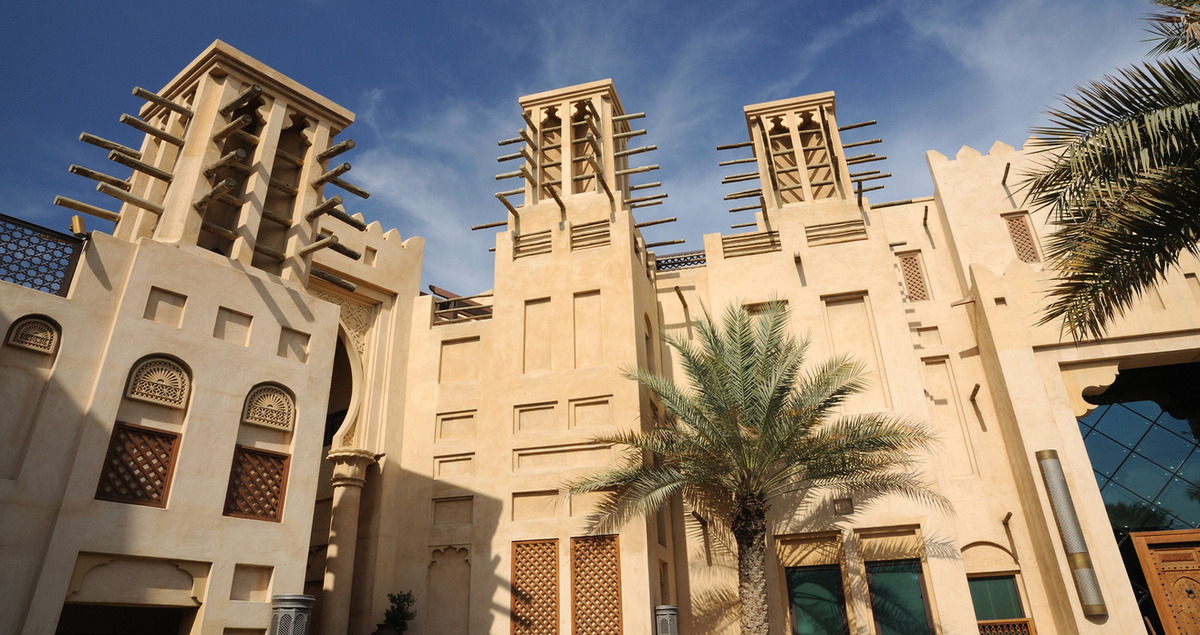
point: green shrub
(401, 612)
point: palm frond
(1119, 177)
(1145, 118)
(1134, 236)
(752, 425)
(1177, 28)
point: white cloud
(432, 178)
(431, 171)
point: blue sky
(435, 85)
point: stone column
(349, 474)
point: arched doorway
(344, 389)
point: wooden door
(1171, 562)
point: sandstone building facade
(241, 391)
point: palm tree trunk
(750, 531)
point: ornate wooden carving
(257, 484)
(914, 277)
(1171, 562)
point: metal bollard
(291, 614)
(666, 620)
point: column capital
(350, 466)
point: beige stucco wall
(68, 447)
(475, 426)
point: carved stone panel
(271, 407)
(160, 381)
(35, 334)
(356, 318)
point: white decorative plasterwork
(356, 318)
(271, 407)
(34, 334)
(160, 381)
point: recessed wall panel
(589, 331)
(945, 413)
(852, 332)
(459, 360)
(537, 335)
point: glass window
(1178, 426)
(1142, 477)
(898, 597)
(1191, 468)
(1084, 428)
(1128, 511)
(996, 598)
(1106, 454)
(1123, 425)
(1164, 447)
(1147, 409)
(1179, 498)
(818, 604)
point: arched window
(161, 381)
(270, 406)
(35, 333)
(140, 462)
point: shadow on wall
(60, 456)
(88, 453)
(417, 534)
(891, 556)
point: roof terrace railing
(680, 261)
(462, 309)
(36, 257)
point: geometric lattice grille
(914, 277)
(1022, 237)
(138, 466)
(595, 586)
(37, 257)
(256, 484)
(535, 588)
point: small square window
(995, 598)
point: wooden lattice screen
(535, 587)
(595, 586)
(1022, 237)
(138, 466)
(914, 277)
(256, 484)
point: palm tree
(750, 427)
(1122, 179)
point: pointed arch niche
(26, 363)
(157, 391)
(345, 392)
(139, 464)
